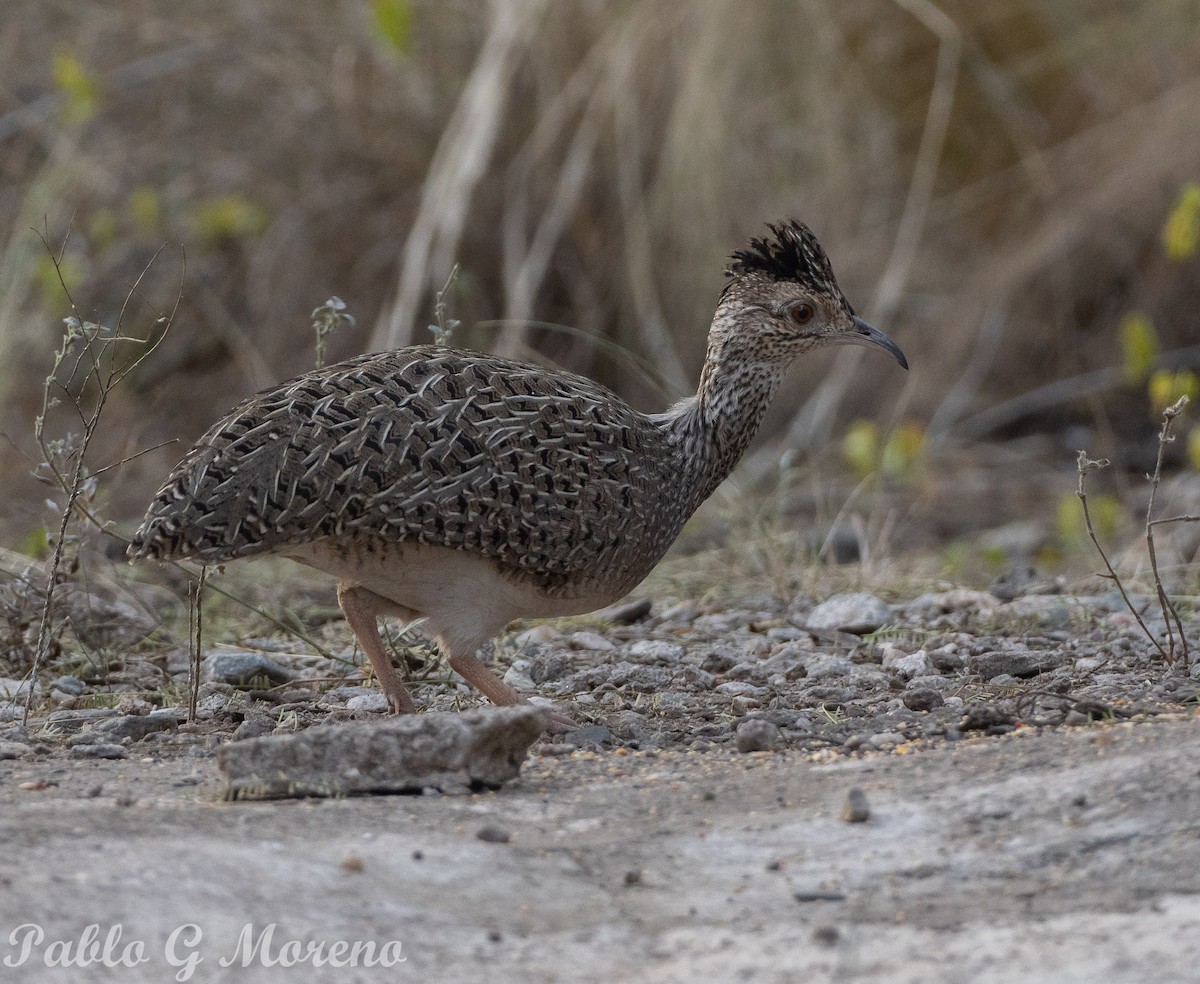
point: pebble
(241, 668)
(911, 665)
(855, 808)
(135, 727)
(255, 726)
(739, 688)
(99, 750)
(69, 685)
(539, 635)
(589, 735)
(629, 612)
(13, 689)
(14, 750)
(549, 667)
(756, 735)
(590, 641)
(886, 739)
(946, 659)
(922, 700)
(1015, 663)
(856, 612)
(518, 676)
(663, 652)
(493, 835)
(821, 666)
(373, 702)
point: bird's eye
(802, 313)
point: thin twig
(195, 641)
(1169, 611)
(1085, 465)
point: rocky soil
(963, 786)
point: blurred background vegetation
(1007, 188)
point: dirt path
(1058, 857)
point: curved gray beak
(865, 334)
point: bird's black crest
(791, 252)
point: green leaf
(229, 217)
(1139, 347)
(1181, 233)
(860, 447)
(1166, 387)
(145, 210)
(80, 88)
(394, 22)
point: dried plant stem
(1085, 465)
(1169, 612)
(195, 640)
(44, 634)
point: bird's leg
(471, 669)
(362, 608)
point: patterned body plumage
(549, 474)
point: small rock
(922, 700)
(241, 668)
(756, 735)
(944, 602)
(855, 808)
(826, 936)
(1016, 663)
(886, 739)
(539, 635)
(822, 666)
(550, 667)
(645, 679)
(99, 750)
(591, 641)
(255, 726)
(661, 652)
(911, 665)
(800, 895)
(739, 688)
(69, 685)
(855, 612)
(14, 750)
(1018, 580)
(633, 877)
(405, 753)
(946, 659)
(135, 727)
(493, 835)
(12, 689)
(629, 726)
(376, 701)
(518, 676)
(592, 735)
(698, 678)
(628, 612)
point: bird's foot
(560, 724)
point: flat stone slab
(446, 751)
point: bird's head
(783, 286)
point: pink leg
(471, 669)
(362, 608)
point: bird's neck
(711, 430)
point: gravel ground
(953, 788)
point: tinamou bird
(469, 490)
